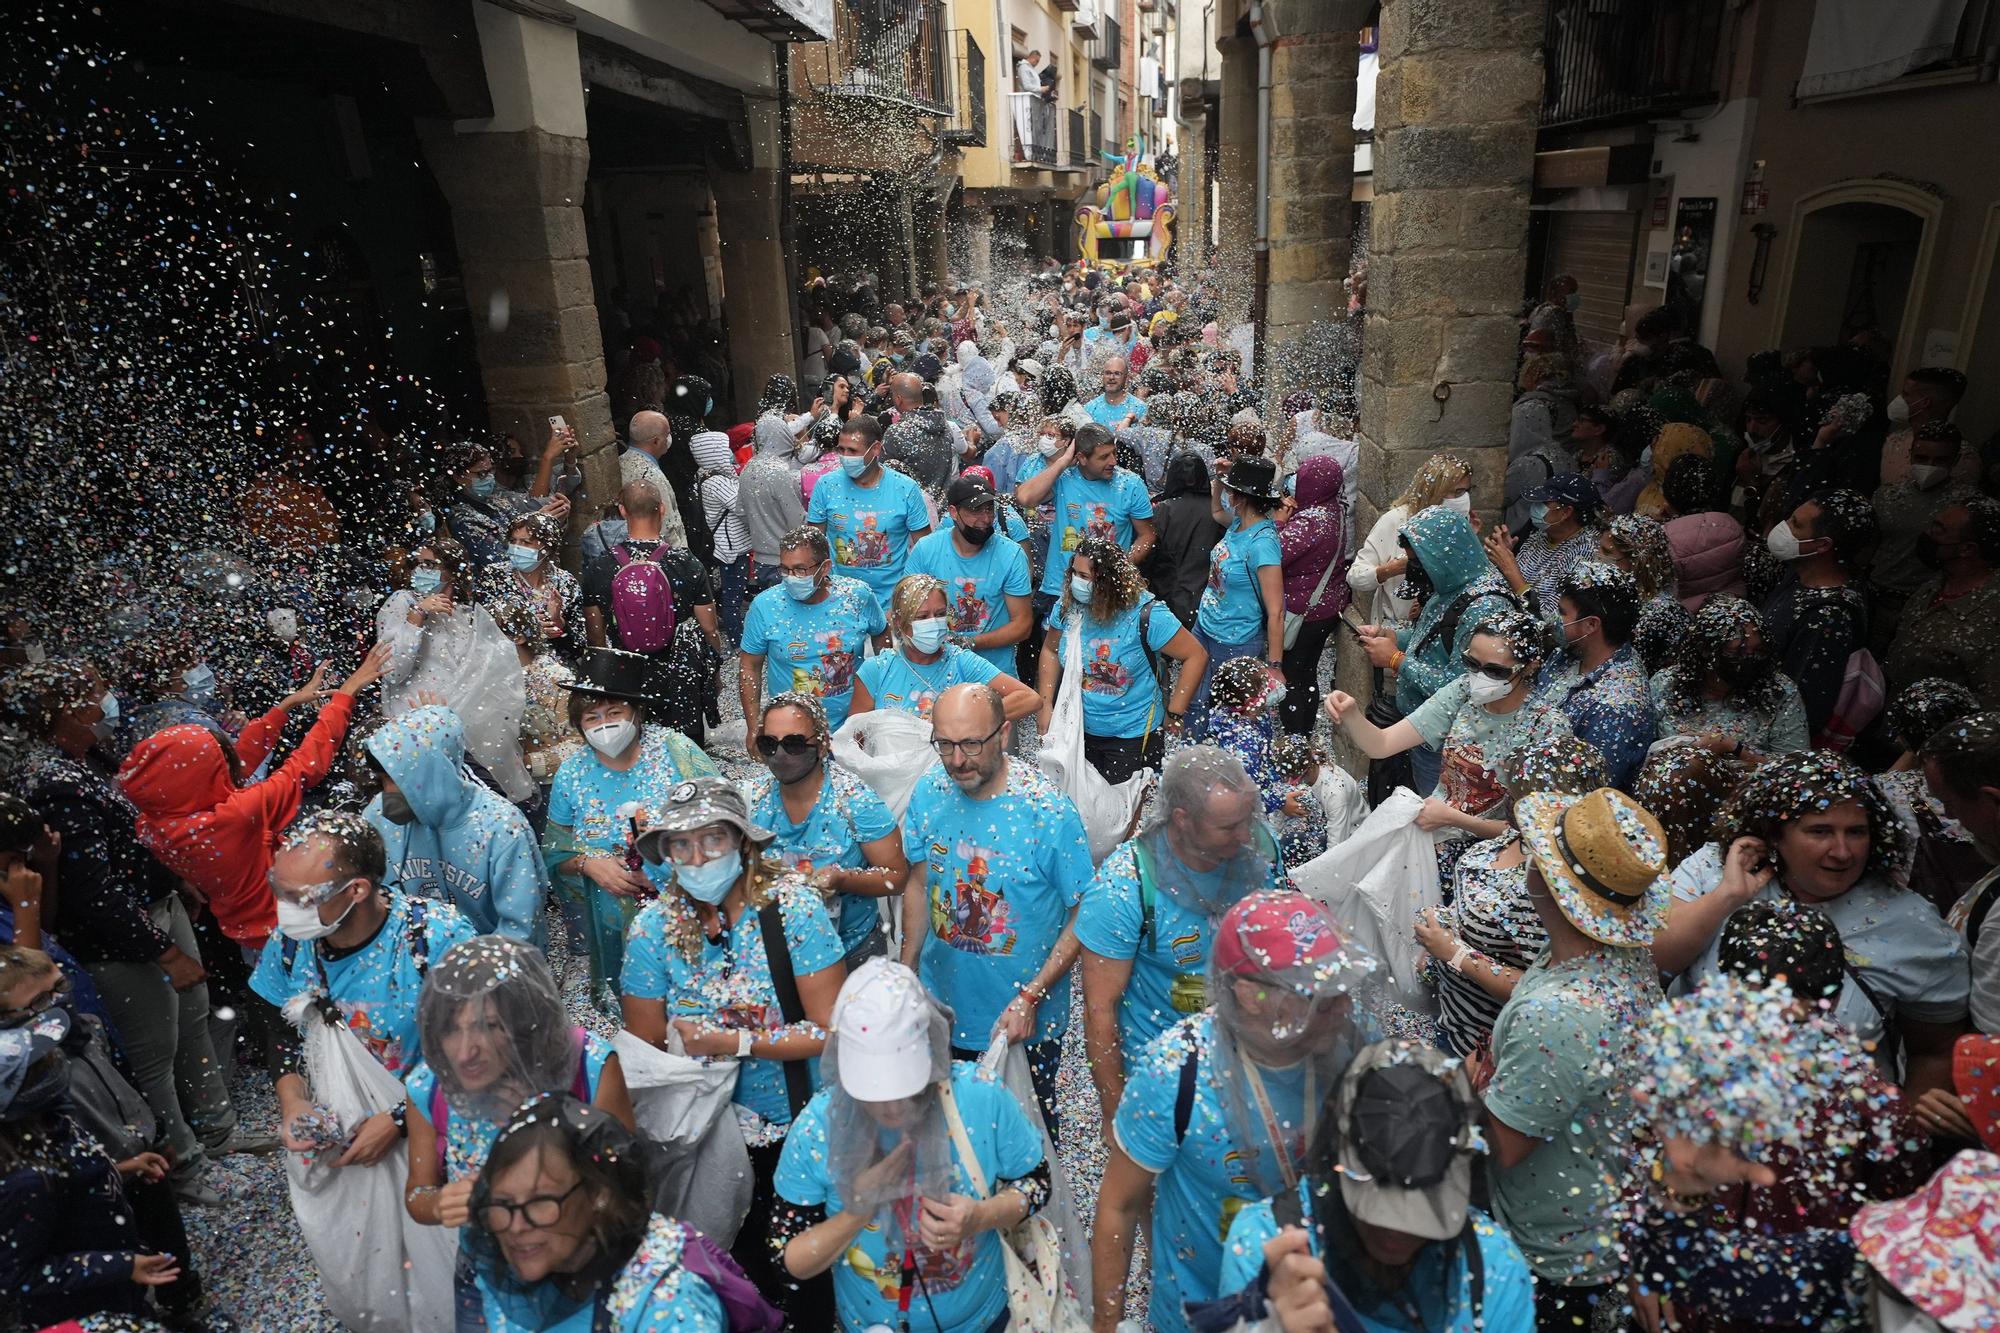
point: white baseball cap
(881, 1020)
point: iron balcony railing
(884, 51)
(1628, 62)
(1104, 51)
(1034, 129)
(965, 71)
(1079, 147)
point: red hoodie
(215, 835)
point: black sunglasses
(770, 745)
(1490, 670)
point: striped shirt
(1490, 912)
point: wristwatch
(743, 1044)
(399, 1116)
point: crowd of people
(588, 1004)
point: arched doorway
(1860, 258)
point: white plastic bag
(1108, 812)
(1375, 883)
(889, 750)
(379, 1270)
(1006, 1063)
(1344, 801)
(683, 1104)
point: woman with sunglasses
(826, 823)
(1476, 721)
(924, 663)
(740, 953)
(564, 1237)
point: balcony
(965, 64)
(1034, 130)
(1104, 52)
(885, 52)
(1085, 20)
(1604, 65)
(1079, 139)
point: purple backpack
(642, 602)
(746, 1310)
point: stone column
(976, 237)
(1236, 167)
(1455, 111)
(1313, 55)
(933, 258)
(515, 183)
(757, 293)
(1191, 186)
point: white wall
(1713, 167)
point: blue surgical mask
(711, 880)
(927, 636)
(1538, 514)
(854, 466)
(200, 682)
(1081, 589)
(427, 521)
(801, 587)
(522, 558)
(484, 486)
(424, 582)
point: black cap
(970, 492)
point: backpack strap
(1982, 907)
(416, 932)
(1184, 1094)
(1475, 1270)
(1142, 859)
(778, 955)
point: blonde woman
(925, 663)
(1376, 575)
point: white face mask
(1899, 410)
(610, 739)
(1050, 445)
(1482, 689)
(1783, 545)
(1928, 476)
(1461, 504)
(300, 921)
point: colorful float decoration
(1129, 219)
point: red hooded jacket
(214, 834)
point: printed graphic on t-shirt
(832, 674)
(868, 547)
(1216, 559)
(1469, 784)
(387, 1050)
(968, 609)
(1102, 673)
(938, 1270)
(971, 917)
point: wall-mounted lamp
(1760, 261)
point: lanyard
(1271, 1130)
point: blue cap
(1569, 488)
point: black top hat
(616, 674)
(1255, 477)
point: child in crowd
(1302, 819)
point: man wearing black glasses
(1000, 857)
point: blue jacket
(468, 846)
(1443, 542)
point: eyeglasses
(35, 1008)
(544, 1210)
(770, 745)
(799, 571)
(1490, 670)
(971, 749)
(710, 842)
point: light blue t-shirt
(846, 815)
(814, 647)
(976, 588)
(1001, 875)
(653, 1293)
(376, 986)
(1201, 1183)
(729, 984)
(1080, 508)
(468, 1139)
(894, 681)
(870, 526)
(1232, 605)
(963, 1289)
(1169, 962)
(1112, 415)
(1506, 1303)
(1121, 695)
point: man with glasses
(805, 636)
(1000, 855)
(364, 949)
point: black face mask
(396, 809)
(1416, 581)
(1743, 671)
(790, 768)
(1931, 552)
(976, 536)
(44, 1089)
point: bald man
(998, 862)
(651, 437)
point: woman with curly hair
(1124, 629)
(1376, 576)
(1639, 547)
(1725, 689)
(1945, 862)
(531, 577)
(697, 954)
(1812, 828)
(925, 663)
